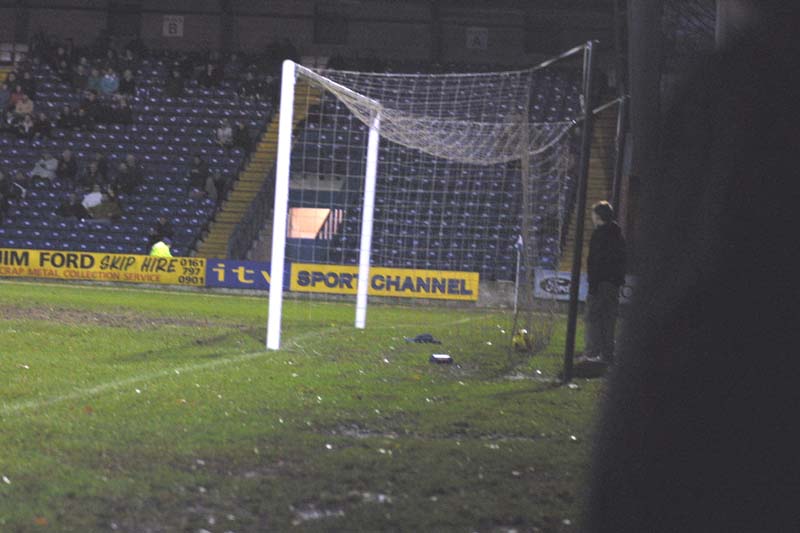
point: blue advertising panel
(230, 274)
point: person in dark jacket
(606, 273)
(161, 230)
(67, 168)
(72, 207)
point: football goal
(420, 186)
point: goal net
(429, 182)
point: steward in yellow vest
(161, 248)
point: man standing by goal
(606, 272)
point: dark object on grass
(424, 338)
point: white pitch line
(12, 408)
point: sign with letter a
(477, 38)
(173, 26)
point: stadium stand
(167, 131)
(165, 134)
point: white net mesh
(468, 118)
(450, 192)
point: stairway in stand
(250, 179)
(599, 183)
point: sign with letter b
(173, 26)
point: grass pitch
(143, 410)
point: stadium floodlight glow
(420, 173)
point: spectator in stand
(210, 77)
(92, 198)
(5, 94)
(224, 134)
(272, 88)
(161, 230)
(241, 137)
(83, 61)
(233, 66)
(23, 107)
(3, 204)
(224, 183)
(72, 207)
(16, 95)
(94, 80)
(136, 170)
(83, 120)
(61, 55)
(45, 168)
(198, 172)
(11, 79)
(66, 119)
(10, 189)
(174, 84)
(127, 85)
(80, 79)
(110, 60)
(102, 204)
(217, 188)
(109, 83)
(109, 208)
(128, 61)
(92, 105)
(9, 122)
(26, 128)
(43, 127)
(91, 177)
(210, 190)
(120, 111)
(102, 165)
(125, 180)
(67, 168)
(22, 181)
(251, 87)
(63, 71)
(28, 84)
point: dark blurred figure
(43, 127)
(127, 85)
(160, 230)
(67, 168)
(173, 87)
(698, 432)
(242, 137)
(605, 270)
(72, 207)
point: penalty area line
(13, 408)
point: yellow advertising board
(89, 266)
(397, 282)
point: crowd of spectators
(104, 82)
